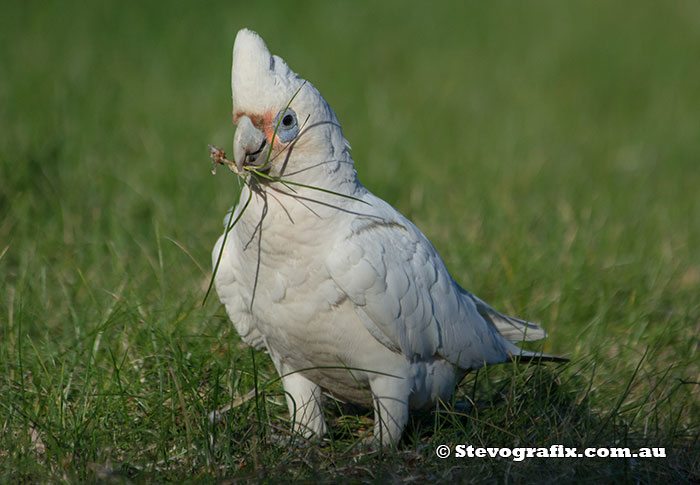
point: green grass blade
(312, 187)
(223, 244)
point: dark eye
(286, 124)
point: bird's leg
(304, 403)
(390, 396)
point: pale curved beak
(248, 142)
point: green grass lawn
(550, 150)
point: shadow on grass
(536, 406)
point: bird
(346, 295)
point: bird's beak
(248, 143)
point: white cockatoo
(346, 295)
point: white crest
(259, 80)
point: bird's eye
(287, 125)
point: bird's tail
(526, 356)
(511, 328)
(514, 330)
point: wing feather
(405, 295)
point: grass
(549, 151)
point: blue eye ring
(287, 125)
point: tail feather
(517, 330)
(513, 329)
(520, 355)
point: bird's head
(271, 101)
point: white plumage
(346, 294)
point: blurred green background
(550, 150)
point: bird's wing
(405, 295)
